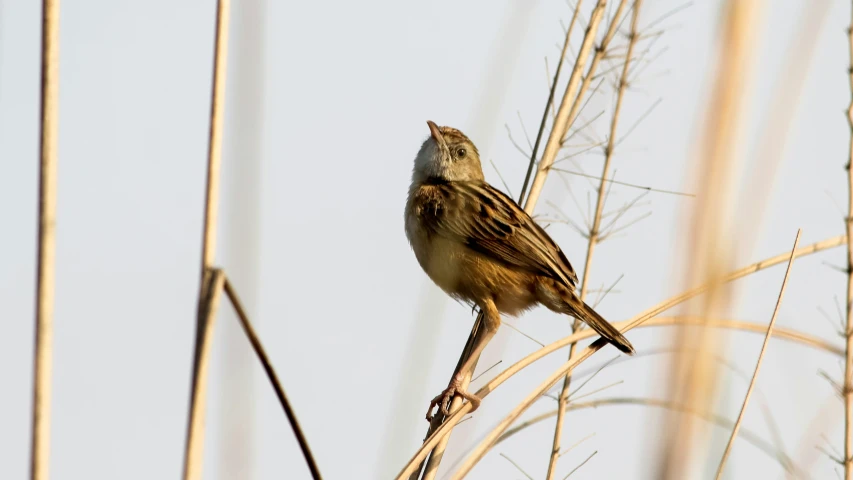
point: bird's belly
(469, 276)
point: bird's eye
(461, 152)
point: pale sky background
(326, 109)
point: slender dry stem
(45, 275)
(273, 378)
(198, 400)
(848, 366)
(437, 454)
(549, 102)
(637, 320)
(784, 460)
(214, 147)
(563, 118)
(595, 230)
(581, 464)
(204, 337)
(758, 363)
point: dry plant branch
(848, 364)
(207, 308)
(626, 184)
(719, 358)
(572, 447)
(517, 466)
(273, 378)
(595, 230)
(204, 329)
(45, 269)
(588, 458)
(456, 415)
(758, 363)
(437, 454)
(564, 119)
(784, 460)
(549, 103)
(780, 333)
(214, 147)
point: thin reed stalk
(193, 453)
(637, 320)
(214, 147)
(45, 270)
(594, 230)
(848, 364)
(728, 324)
(258, 347)
(549, 103)
(437, 454)
(784, 460)
(564, 118)
(749, 389)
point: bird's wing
(492, 224)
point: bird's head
(447, 155)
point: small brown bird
(480, 247)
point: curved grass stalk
(784, 460)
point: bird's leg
(491, 322)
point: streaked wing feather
(492, 224)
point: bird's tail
(601, 326)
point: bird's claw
(445, 399)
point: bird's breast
(437, 256)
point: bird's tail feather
(602, 326)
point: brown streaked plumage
(480, 247)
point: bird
(477, 245)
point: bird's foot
(444, 399)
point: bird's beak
(435, 132)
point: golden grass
(848, 364)
(193, 453)
(758, 363)
(45, 275)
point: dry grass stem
(214, 147)
(758, 363)
(581, 464)
(193, 456)
(45, 273)
(517, 466)
(549, 104)
(784, 460)
(848, 365)
(198, 400)
(619, 182)
(596, 223)
(637, 320)
(563, 119)
(437, 454)
(273, 378)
